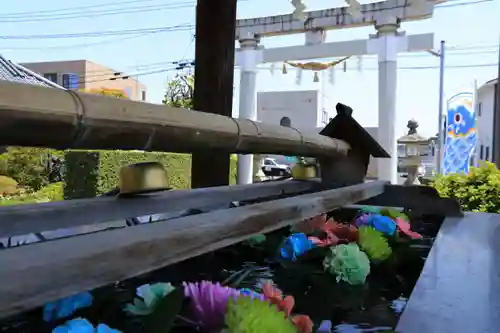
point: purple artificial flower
(208, 303)
(361, 220)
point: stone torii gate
(385, 16)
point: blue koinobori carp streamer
(460, 134)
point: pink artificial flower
(404, 227)
(331, 239)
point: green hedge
(479, 191)
(86, 178)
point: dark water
(373, 307)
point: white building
(485, 115)
(301, 109)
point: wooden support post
(213, 87)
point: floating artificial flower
(345, 232)
(382, 223)
(329, 240)
(255, 240)
(80, 325)
(208, 303)
(374, 243)
(149, 295)
(370, 210)
(245, 315)
(325, 327)
(275, 296)
(310, 225)
(362, 219)
(67, 306)
(302, 323)
(404, 227)
(393, 213)
(348, 263)
(295, 245)
(251, 293)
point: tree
(106, 92)
(180, 91)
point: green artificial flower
(149, 295)
(247, 315)
(255, 240)
(348, 263)
(370, 210)
(394, 213)
(374, 243)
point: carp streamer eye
(457, 118)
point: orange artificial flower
(274, 295)
(342, 231)
(303, 323)
(312, 224)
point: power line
(181, 27)
(90, 14)
(108, 4)
(82, 45)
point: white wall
(302, 107)
(484, 113)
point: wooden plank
(25, 219)
(66, 266)
(213, 87)
(46, 117)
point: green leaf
(165, 312)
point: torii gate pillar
(386, 44)
(251, 56)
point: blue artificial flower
(325, 327)
(251, 293)
(295, 245)
(381, 223)
(80, 325)
(67, 306)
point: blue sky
(472, 29)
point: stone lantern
(415, 145)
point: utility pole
(440, 140)
(213, 87)
(496, 125)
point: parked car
(271, 167)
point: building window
(479, 109)
(481, 152)
(51, 77)
(70, 81)
(487, 154)
(143, 95)
(286, 122)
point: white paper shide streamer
(354, 9)
(298, 13)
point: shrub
(85, 178)
(27, 166)
(479, 191)
(81, 174)
(52, 192)
(8, 185)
